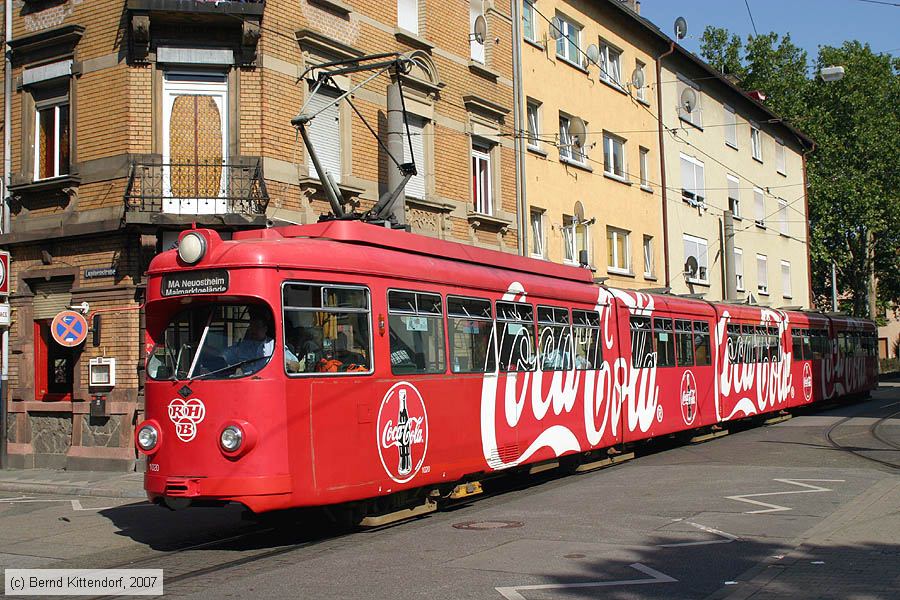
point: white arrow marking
(811, 489)
(729, 537)
(512, 593)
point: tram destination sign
(195, 282)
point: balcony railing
(196, 189)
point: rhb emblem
(402, 432)
(186, 414)
(807, 382)
(688, 398)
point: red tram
(344, 363)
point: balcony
(211, 193)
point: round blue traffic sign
(69, 328)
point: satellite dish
(479, 31)
(556, 26)
(637, 78)
(680, 28)
(593, 54)
(691, 266)
(579, 211)
(578, 132)
(688, 100)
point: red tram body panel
(337, 362)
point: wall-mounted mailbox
(98, 406)
(102, 372)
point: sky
(811, 23)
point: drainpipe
(5, 221)
(518, 93)
(808, 240)
(662, 159)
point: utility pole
(870, 266)
(730, 273)
(834, 305)
(396, 135)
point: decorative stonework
(101, 431)
(51, 433)
(51, 16)
(330, 23)
(424, 221)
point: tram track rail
(874, 433)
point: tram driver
(254, 350)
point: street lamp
(831, 73)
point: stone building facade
(133, 119)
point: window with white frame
(529, 29)
(645, 168)
(739, 269)
(476, 48)
(568, 46)
(783, 216)
(408, 15)
(759, 203)
(762, 274)
(610, 64)
(325, 132)
(614, 156)
(786, 279)
(618, 245)
(730, 126)
(533, 110)
(415, 187)
(51, 137)
(692, 184)
(780, 164)
(571, 148)
(694, 116)
(698, 249)
(756, 142)
(648, 256)
(734, 195)
(640, 93)
(537, 233)
(482, 192)
(575, 240)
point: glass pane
(588, 354)
(641, 345)
(46, 143)
(555, 346)
(701, 344)
(63, 139)
(417, 344)
(326, 342)
(517, 352)
(472, 346)
(685, 349)
(468, 307)
(664, 340)
(345, 298)
(402, 302)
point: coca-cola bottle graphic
(403, 442)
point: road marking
(75, 504)
(811, 489)
(729, 537)
(513, 593)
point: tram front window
(214, 341)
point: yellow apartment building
(592, 165)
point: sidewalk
(73, 483)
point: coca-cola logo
(688, 398)
(185, 415)
(402, 432)
(807, 382)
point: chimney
(634, 5)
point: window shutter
(687, 175)
(415, 187)
(325, 133)
(51, 297)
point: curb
(70, 489)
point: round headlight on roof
(192, 247)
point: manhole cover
(480, 525)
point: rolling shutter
(325, 133)
(415, 187)
(51, 297)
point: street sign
(4, 273)
(5, 314)
(69, 328)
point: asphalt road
(806, 508)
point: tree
(854, 206)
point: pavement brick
(86, 483)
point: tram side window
(702, 352)
(642, 355)
(685, 342)
(586, 330)
(664, 338)
(471, 326)
(820, 342)
(774, 344)
(797, 343)
(515, 327)
(807, 347)
(735, 347)
(416, 323)
(327, 329)
(554, 339)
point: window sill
(538, 151)
(576, 164)
(336, 6)
(732, 146)
(643, 101)
(647, 189)
(762, 293)
(699, 282)
(737, 217)
(412, 39)
(760, 224)
(650, 277)
(759, 160)
(617, 271)
(787, 297)
(739, 289)
(572, 64)
(614, 85)
(46, 185)
(477, 219)
(782, 173)
(618, 178)
(784, 235)
(483, 71)
(534, 43)
(691, 123)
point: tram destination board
(195, 282)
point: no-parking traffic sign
(69, 328)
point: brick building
(132, 119)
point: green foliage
(853, 172)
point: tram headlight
(231, 439)
(147, 438)
(192, 247)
